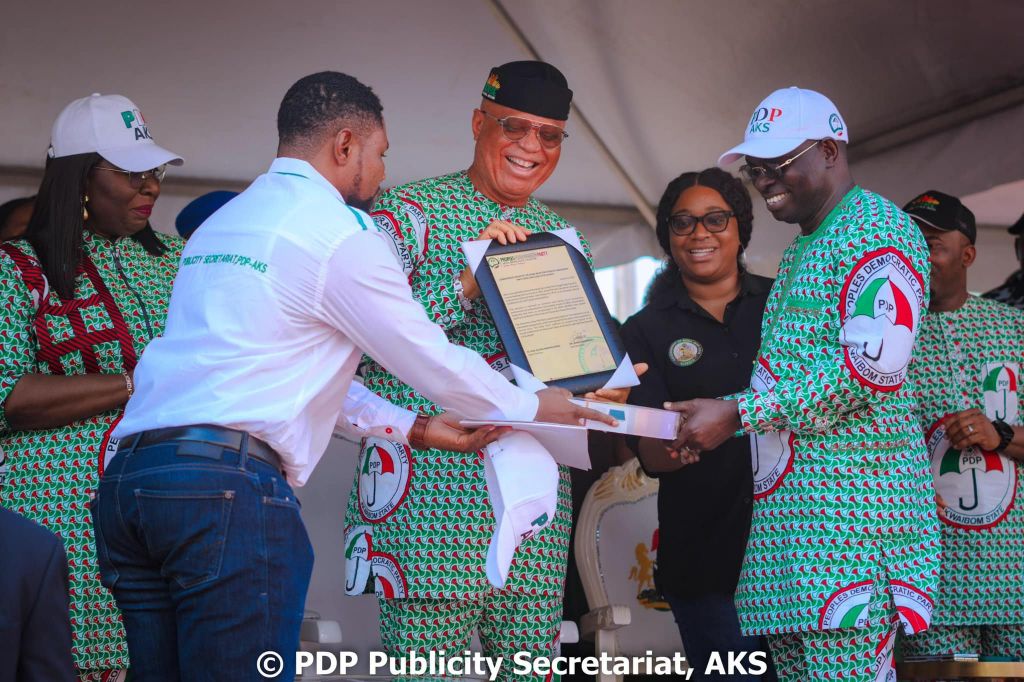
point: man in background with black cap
(431, 534)
(1012, 290)
(965, 369)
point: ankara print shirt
(419, 522)
(972, 358)
(842, 491)
(120, 304)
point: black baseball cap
(534, 87)
(943, 212)
(1017, 227)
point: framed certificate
(549, 312)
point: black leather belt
(221, 436)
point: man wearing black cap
(1012, 290)
(430, 525)
(965, 368)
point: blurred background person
(14, 217)
(81, 295)
(699, 333)
(1011, 291)
(199, 209)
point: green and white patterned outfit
(972, 358)
(843, 510)
(119, 305)
(419, 522)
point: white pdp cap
(785, 120)
(522, 479)
(113, 127)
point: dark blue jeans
(207, 557)
(708, 623)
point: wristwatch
(1005, 432)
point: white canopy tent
(932, 91)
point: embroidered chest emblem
(685, 352)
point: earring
(85, 211)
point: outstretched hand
(704, 424)
(444, 432)
(555, 407)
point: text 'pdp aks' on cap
(113, 127)
(533, 87)
(522, 480)
(943, 212)
(786, 119)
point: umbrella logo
(1000, 388)
(881, 306)
(978, 485)
(358, 547)
(384, 476)
(771, 454)
(389, 580)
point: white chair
(616, 552)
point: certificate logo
(1000, 387)
(685, 352)
(358, 547)
(384, 474)
(880, 309)
(979, 486)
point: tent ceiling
(668, 85)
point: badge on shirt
(978, 486)
(881, 306)
(1000, 388)
(685, 352)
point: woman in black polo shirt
(700, 332)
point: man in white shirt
(276, 299)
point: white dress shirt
(278, 295)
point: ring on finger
(970, 428)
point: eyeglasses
(772, 171)
(136, 178)
(683, 224)
(516, 128)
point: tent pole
(638, 198)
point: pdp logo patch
(384, 474)
(389, 580)
(979, 486)
(771, 454)
(1000, 388)
(847, 608)
(685, 352)
(358, 547)
(913, 605)
(880, 308)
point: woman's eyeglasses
(136, 178)
(515, 128)
(683, 224)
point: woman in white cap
(80, 297)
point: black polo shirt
(704, 508)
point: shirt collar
(285, 165)
(750, 285)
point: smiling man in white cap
(844, 538)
